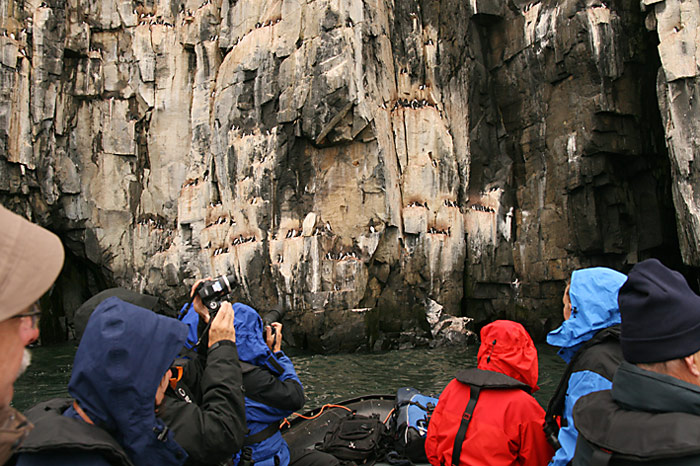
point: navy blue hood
(121, 359)
(593, 294)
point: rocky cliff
(363, 163)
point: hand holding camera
(273, 336)
(222, 326)
(207, 298)
(211, 291)
(199, 306)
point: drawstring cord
(82, 413)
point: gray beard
(26, 360)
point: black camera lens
(270, 317)
(274, 315)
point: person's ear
(693, 364)
(28, 333)
(162, 387)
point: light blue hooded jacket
(593, 294)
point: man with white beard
(30, 260)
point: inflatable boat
(308, 429)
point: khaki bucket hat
(30, 260)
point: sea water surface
(326, 378)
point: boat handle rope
(389, 415)
(286, 422)
(323, 408)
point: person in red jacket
(487, 416)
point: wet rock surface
(677, 25)
(359, 162)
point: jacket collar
(490, 379)
(55, 432)
(640, 419)
(643, 390)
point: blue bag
(411, 417)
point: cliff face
(362, 162)
(677, 24)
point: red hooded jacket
(506, 427)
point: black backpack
(357, 438)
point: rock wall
(677, 24)
(360, 162)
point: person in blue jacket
(589, 343)
(272, 389)
(120, 373)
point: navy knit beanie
(660, 314)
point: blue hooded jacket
(593, 294)
(253, 350)
(121, 359)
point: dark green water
(326, 379)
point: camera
(213, 291)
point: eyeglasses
(34, 313)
